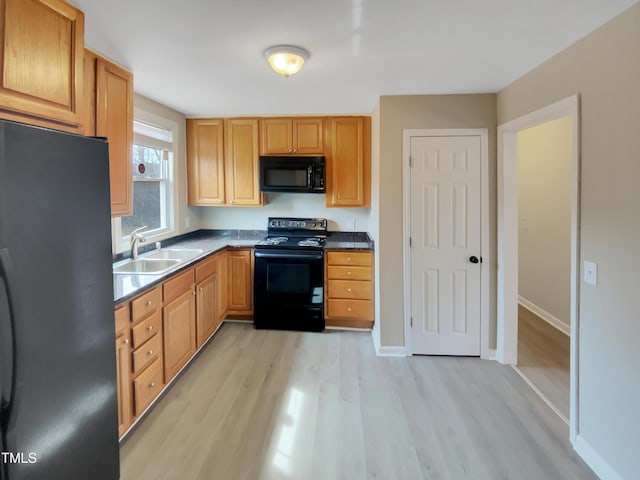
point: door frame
(485, 237)
(507, 292)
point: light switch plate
(590, 273)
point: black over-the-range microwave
(292, 174)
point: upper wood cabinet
(299, 135)
(241, 160)
(205, 161)
(348, 168)
(108, 112)
(42, 62)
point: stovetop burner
(309, 233)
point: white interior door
(445, 244)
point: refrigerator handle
(8, 374)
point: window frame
(120, 242)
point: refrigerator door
(55, 229)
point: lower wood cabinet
(349, 289)
(179, 321)
(159, 331)
(123, 368)
(240, 299)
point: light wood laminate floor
(543, 356)
(261, 404)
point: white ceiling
(204, 57)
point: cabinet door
(205, 161)
(349, 162)
(179, 333)
(240, 282)
(114, 120)
(123, 380)
(276, 136)
(42, 59)
(241, 158)
(307, 136)
(206, 309)
(223, 285)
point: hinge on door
(410, 161)
(410, 241)
(411, 321)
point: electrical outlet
(590, 273)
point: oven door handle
(290, 254)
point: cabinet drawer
(349, 258)
(178, 285)
(350, 308)
(147, 328)
(144, 355)
(206, 268)
(145, 303)
(147, 386)
(353, 289)
(349, 273)
(122, 318)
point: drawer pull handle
(152, 384)
(348, 309)
(150, 352)
(349, 290)
(149, 303)
(149, 328)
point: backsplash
(284, 205)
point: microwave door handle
(310, 176)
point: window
(153, 182)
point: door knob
(474, 259)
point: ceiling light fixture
(286, 60)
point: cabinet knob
(290, 150)
(193, 293)
(152, 384)
(294, 150)
(149, 303)
(126, 341)
(348, 259)
(233, 201)
(149, 328)
(349, 273)
(349, 290)
(348, 309)
(200, 288)
(150, 352)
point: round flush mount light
(286, 60)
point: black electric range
(289, 275)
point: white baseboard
(598, 464)
(546, 316)
(391, 351)
(492, 354)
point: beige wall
(412, 112)
(604, 68)
(544, 213)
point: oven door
(288, 289)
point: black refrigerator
(57, 335)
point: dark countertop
(126, 287)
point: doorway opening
(517, 229)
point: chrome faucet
(134, 239)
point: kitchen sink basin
(146, 265)
(173, 254)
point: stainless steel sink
(174, 253)
(146, 265)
